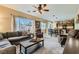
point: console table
(26, 46)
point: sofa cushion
(8, 50)
(6, 47)
(4, 35)
(24, 33)
(17, 38)
(12, 34)
(19, 33)
(4, 43)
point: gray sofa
(15, 37)
(8, 50)
(6, 47)
(8, 41)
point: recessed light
(56, 17)
(53, 15)
(28, 11)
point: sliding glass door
(23, 24)
(43, 27)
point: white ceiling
(62, 12)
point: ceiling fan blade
(53, 15)
(35, 7)
(28, 11)
(40, 11)
(40, 5)
(46, 10)
(34, 11)
(44, 5)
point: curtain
(12, 23)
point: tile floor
(51, 46)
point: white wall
(76, 24)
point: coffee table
(28, 47)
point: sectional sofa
(8, 41)
(6, 47)
(15, 37)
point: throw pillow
(24, 33)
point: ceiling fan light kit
(41, 8)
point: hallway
(51, 46)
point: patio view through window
(23, 24)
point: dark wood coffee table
(26, 46)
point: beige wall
(5, 18)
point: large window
(23, 24)
(43, 25)
(49, 25)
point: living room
(27, 29)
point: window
(43, 25)
(23, 24)
(49, 25)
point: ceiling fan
(41, 8)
